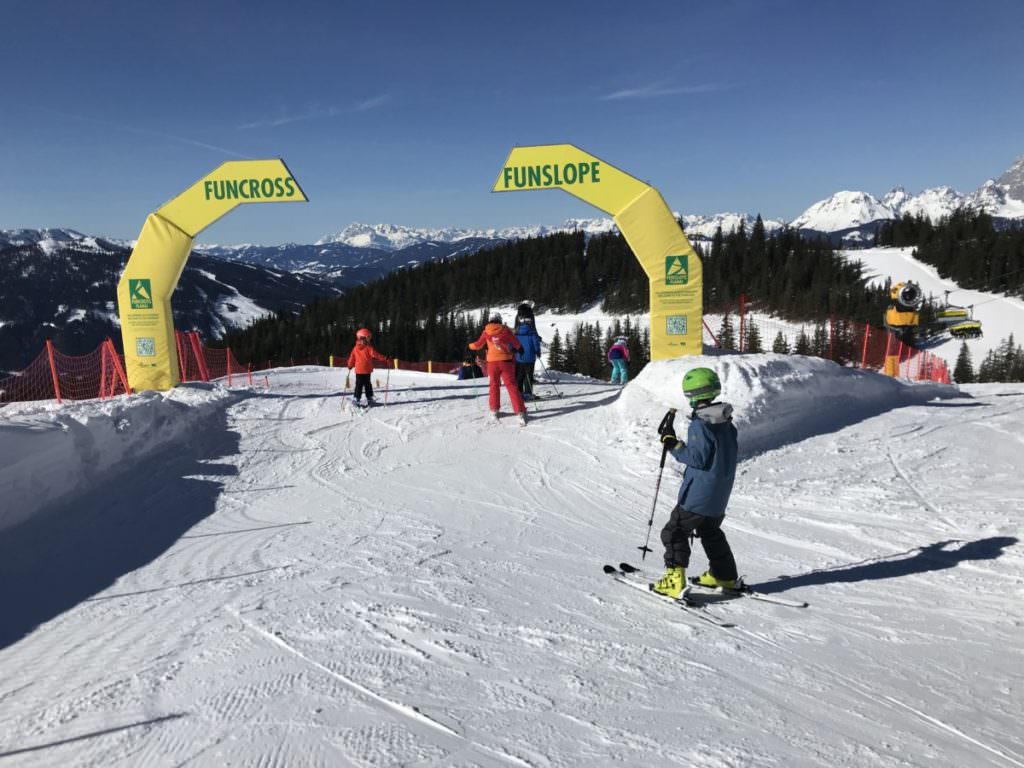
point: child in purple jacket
(618, 356)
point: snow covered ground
(299, 583)
(999, 315)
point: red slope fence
(846, 342)
(56, 376)
(101, 374)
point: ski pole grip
(667, 422)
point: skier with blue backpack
(526, 356)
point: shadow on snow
(80, 547)
(933, 557)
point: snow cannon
(908, 296)
(904, 313)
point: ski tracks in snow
(455, 745)
(404, 586)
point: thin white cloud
(368, 104)
(315, 113)
(661, 90)
(145, 132)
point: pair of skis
(684, 601)
(357, 406)
(632, 576)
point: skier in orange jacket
(501, 347)
(361, 360)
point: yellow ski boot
(671, 584)
(707, 579)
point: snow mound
(49, 451)
(778, 399)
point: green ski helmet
(700, 384)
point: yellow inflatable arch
(156, 262)
(672, 265)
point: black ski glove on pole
(667, 423)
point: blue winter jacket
(710, 459)
(528, 337)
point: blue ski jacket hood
(530, 340)
(710, 456)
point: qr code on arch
(675, 325)
(145, 347)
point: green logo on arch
(141, 293)
(677, 270)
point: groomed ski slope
(999, 315)
(297, 583)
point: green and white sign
(141, 293)
(677, 270)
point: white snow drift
(48, 452)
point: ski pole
(666, 424)
(387, 385)
(546, 372)
(481, 399)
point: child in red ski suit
(501, 347)
(361, 360)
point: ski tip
(610, 569)
(626, 567)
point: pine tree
(964, 371)
(556, 355)
(752, 343)
(820, 341)
(803, 344)
(726, 333)
(1015, 369)
(780, 345)
(987, 369)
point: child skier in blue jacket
(526, 357)
(710, 455)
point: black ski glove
(667, 423)
(670, 441)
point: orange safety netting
(198, 362)
(56, 376)
(100, 374)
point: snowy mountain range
(361, 252)
(852, 216)
(391, 237)
(60, 284)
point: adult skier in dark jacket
(710, 455)
(526, 357)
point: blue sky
(404, 111)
